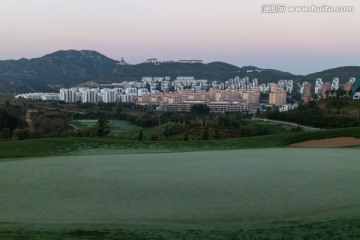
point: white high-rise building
(90, 96)
(255, 82)
(335, 84)
(108, 95)
(142, 91)
(131, 91)
(69, 95)
(318, 86)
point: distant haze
(233, 31)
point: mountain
(267, 75)
(61, 68)
(212, 71)
(343, 73)
(69, 68)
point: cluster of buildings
(187, 61)
(181, 100)
(235, 95)
(39, 96)
(321, 87)
(323, 90)
(155, 61)
(217, 100)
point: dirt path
(289, 123)
(29, 120)
(329, 142)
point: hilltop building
(122, 62)
(193, 61)
(153, 61)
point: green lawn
(270, 193)
(83, 146)
(118, 128)
(84, 184)
(279, 127)
(84, 123)
(87, 123)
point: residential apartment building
(277, 96)
(306, 96)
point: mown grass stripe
(70, 146)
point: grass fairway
(118, 128)
(100, 146)
(90, 188)
(273, 193)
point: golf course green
(235, 194)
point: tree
(340, 93)
(7, 104)
(332, 92)
(206, 134)
(140, 135)
(102, 127)
(20, 134)
(5, 134)
(7, 120)
(327, 92)
(297, 129)
(3, 118)
(200, 109)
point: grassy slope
(73, 146)
(336, 229)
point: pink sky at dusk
(233, 31)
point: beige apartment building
(325, 87)
(307, 93)
(277, 96)
(217, 100)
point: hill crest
(66, 68)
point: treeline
(51, 124)
(51, 119)
(198, 124)
(12, 123)
(312, 115)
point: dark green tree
(200, 109)
(140, 135)
(102, 127)
(5, 134)
(8, 120)
(20, 134)
(3, 118)
(206, 134)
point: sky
(233, 31)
